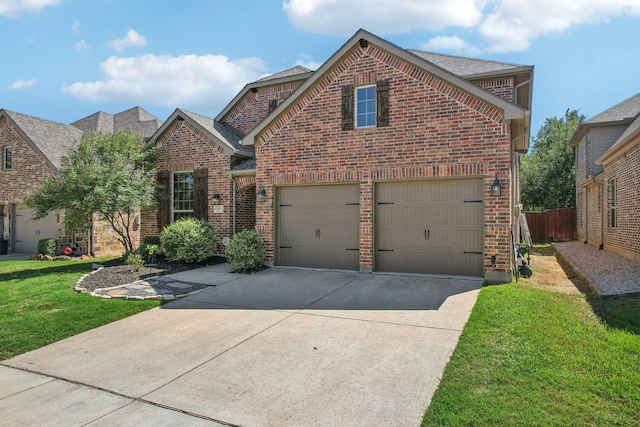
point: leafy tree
(548, 172)
(111, 175)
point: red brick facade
(183, 147)
(435, 130)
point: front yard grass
(531, 356)
(39, 306)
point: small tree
(109, 175)
(548, 172)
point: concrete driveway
(283, 347)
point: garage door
(432, 227)
(317, 226)
(28, 232)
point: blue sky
(66, 59)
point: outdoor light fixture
(261, 195)
(493, 259)
(216, 199)
(496, 187)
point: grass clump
(38, 305)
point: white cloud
(344, 17)
(22, 84)
(75, 27)
(453, 44)
(11, 8)
(133, 38)
(513, 24)
(187, 81)
(496, 25)
(306, 61)
(82, 45)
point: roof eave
(259, 84)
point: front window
(182, 195)
(613, 203)
(7, 158)
(366, 106)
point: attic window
(366, 106)
(6, 164)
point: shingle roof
(625, 110)
(243, 165)
(465, 67)
(135, 120)
(298, 69)
(223, 132)
(51, 138)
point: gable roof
(290, 75)
(511, 111)
(135, 120)
(225, 136)
(46, 137)
(623, 112)
(627, 140)
(470, 68)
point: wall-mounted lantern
(496, 187)
(261, 195)
(494, 259)
(217, 198)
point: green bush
(246, 251)
(133, 259)
(47, 246)
(150, 247)
(188, 240)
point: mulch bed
(116, 273)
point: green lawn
(39, 306)
(533, 357)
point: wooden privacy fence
(554, 225)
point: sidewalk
(608, 273)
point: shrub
(133, 259)
(246, 251)
(47, 246)
(188, 240)
(150, 247)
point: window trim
(7, 157)
(373, 113)
(613, 202)
(173, 195)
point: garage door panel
(431, 227)
(29, 231)
(318, 226)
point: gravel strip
(610, 274)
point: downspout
(234, 206)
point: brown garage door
(318, 226)
(432, 227)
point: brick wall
(28, 169)
(503, 87)
(246, 207)
(625, 238)
(435, 130)
(254, 106)
(594, 213)
(185, 148)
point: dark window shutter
(201, 194)
(273, 103)
(382, 94)
(347, 107)
(164, 199)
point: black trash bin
(4, 246)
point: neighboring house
(31, 150)
(608, 179)
(383, 160)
